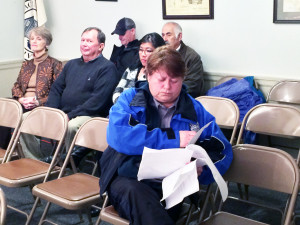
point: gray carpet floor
(22, 198)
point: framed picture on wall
(188, 9)
(286, 11)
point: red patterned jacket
(47, 72)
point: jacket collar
(92, 60)
(182, 49)
(185, 106)
(132, 45)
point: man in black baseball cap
(127, 54)
(123, 25)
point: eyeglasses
(146, 51)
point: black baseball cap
(123, 25)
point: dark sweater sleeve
(57, 89)
(101, 98)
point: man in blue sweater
(85, 86)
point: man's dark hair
(100, 36)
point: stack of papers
(179, 173)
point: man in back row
(85, 86)
(172, 34)
(128, 53)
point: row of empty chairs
(77, 191)
(45, 122)
(264, 166)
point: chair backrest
(224, 110)
(274, 120)
(10, 113)
(91, 134)
(46, 122)
(265, 167)
(10, 116)
(285, 92)
(3, 207)
(226, 78)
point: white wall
(12, 31)
(240, 40)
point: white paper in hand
(201, 155)
(198, 134)
(180, 184)
(157, 164)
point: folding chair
(286, 92)
(224, 110)
(42, 121)
(262, 167)
(227, 116)
(110, 215)
(77, 191)
(3, 207)
(274, 120)
(10, 116)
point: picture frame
(188, 9)
(286, 11)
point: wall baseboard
(10, 64)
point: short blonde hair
(43, 32)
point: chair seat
(72, 192)
(18, 173)
(224, 218)
(109, 214)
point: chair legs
(191, 209)
(43, 217)
(32, 211)
(98, 220)
(45, 213)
